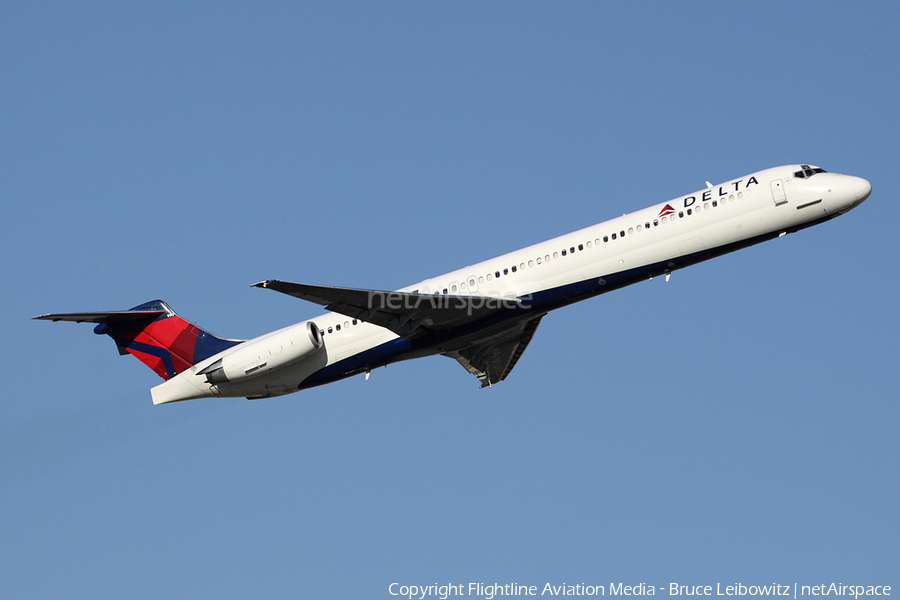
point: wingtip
(261, 284)
(46, 317)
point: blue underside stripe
(542, 302)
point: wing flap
(492, 360)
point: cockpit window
(808, 171)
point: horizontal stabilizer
(112, 317)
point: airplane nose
(861, 188)
(850, 191)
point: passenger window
(689, 211)
(647, 225)
(572, 249)
(715, 204)
(514, 268)
(531, 263)
(522, 266)
(580, 247)
(563, 252)
(605, 238)
(497, 274)
(355, 321)
(613, 236)
(588, 244)
(656, 222)
(462, 286)
(740, 194)
(505, 271)
(640, 227)
(329, 330)
(680, 214)
(453, 288)
(556, 255)
(489, 276)
(622, 233)
(445, 290)
(630, 230)
(547, 258)
(597, 241)
(481, 278)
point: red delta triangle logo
(666, 210)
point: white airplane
(483, 315)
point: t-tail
(154, 334)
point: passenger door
(778, 195)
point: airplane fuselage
(533, 281)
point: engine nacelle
(273, 351)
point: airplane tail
(154, 334)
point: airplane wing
(492, 360)
(409, 315)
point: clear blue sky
(736, 424)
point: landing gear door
(778, 192)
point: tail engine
(267, 353)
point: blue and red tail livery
(168, 344)
(155, 335)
